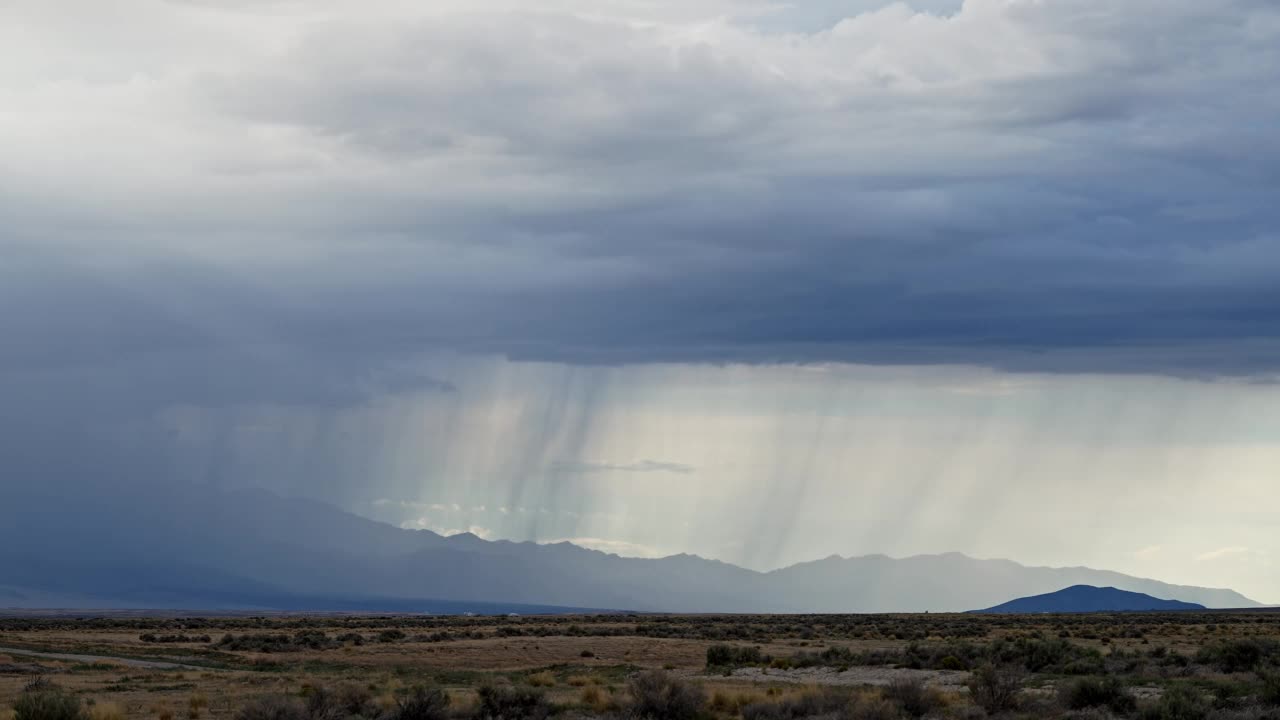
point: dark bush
(657, 695)
(273, 707)
(870, 709)
(512, 703)
(914, 697)
(726, 656)
(1180, 702)
(1270, 694)
(1107, 693)
(48, 703)
(38, 684)
(995, 689)
(389, 636)
(153, 638)
(341, 702)
(279, 642)
(1240, 655)
(1038, 654)
(421, 704)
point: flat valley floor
(1224, 664)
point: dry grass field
(1149, 665)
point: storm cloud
(1069, 186)
(591, 259)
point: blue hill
(1088, 599)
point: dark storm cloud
(1079, 186)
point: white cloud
(616, 547)
(424, 523)
(1148, 552)
(1227, 553)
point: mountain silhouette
(199, 547)
(1088, 599)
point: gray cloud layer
(1080, 185)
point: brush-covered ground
(1175, 666)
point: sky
(759, 280)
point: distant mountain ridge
(1089, 599)
(203, 548)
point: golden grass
(598, 699)
(545, 678)
(197, 701)
(582, 680)
(727, 701)
(7, 714)
(105, 711)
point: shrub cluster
(1033, 654)
(42, 700)
(279, 642)
(996, 689)
(1108, 693)
(154, 638)
(730, 656)
(657, 695)
(1242, 655)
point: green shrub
(725, 656)
(1270, 694)
(390, 636)
(278, 642)
(995, 689)
(273, 707)
(49, 703)
(1038, 654)
(1107, 693)
(657, 695)
(421, 704)
(341, 702)
(1239, 655)
(913, 697)
(512, 703)
(1180, 702)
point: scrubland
(1174, 666)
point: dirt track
(128, 662)
(942, 679)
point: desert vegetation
(1148, 666)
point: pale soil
(945, 680)
(125, 662)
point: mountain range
(198, 547)
(1090, 599)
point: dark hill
(1087, 599)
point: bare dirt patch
(945, 680)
